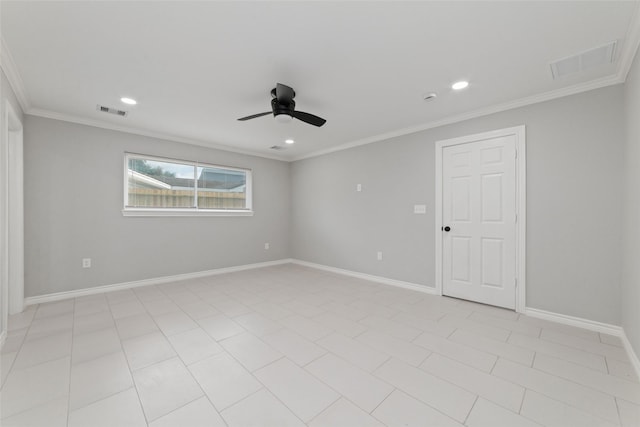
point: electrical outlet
(359, 187)
(379, 255)
(419, 209)
(86, 262)
(266, 246)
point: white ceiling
(195, 67)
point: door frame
(15, 207)
(12, 215)
(521, 204)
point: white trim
(590, 325)
(532, 312)
(630, 46)
(47, 114)
(3, 338)
(628, 52)
(521, 212)
(192, 211)
(40, 299)
(521, 204)
(578, 322)
(492, 109)
(15, 208)
(184, 212)
(378, 279)
(633, 357)
(534, 99)
(10, 69)
(541, 314)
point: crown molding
(48, 114)
(522, 102)
(631, 44)
(627, 55)
(8, 65)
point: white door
(479, 221)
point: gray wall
(574, 203)
(630, 225)
(73, 204)
(575, 149)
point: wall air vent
(583, 61)
(110, 110)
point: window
(157, 186)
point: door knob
(447, 228)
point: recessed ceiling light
(459, 85)
(129, 101)
(289, 141)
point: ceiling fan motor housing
(283, 111)
(283, 108)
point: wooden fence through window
(160, 198)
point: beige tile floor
(294, 346)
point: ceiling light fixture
(283, 118)
(459, 85)
(289, 141)
(129, 101)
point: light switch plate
(419, 209)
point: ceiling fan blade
(254, 116)
(284, 93)
(309, 118)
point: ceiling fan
(283, 108)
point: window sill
(184, 212)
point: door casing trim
(521, 204)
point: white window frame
(194, 211)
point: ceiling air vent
(110, 110)
(583, 61)
(277, 147)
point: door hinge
(516, 217)
(516, 281)
(516, 154)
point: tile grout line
(265, 295)
(264, 386)
(524, 396)
(618, 411)
(22, 341)
(567, 403)
(10, 370)
(394, 389)
(153, 319)
(135, 387)
(471, 410)
(590, 387)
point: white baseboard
(578, 322)
(3, 338)
(591, 325)
(146, 282)
(533, 312)
(385, 280)
(633, 357)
